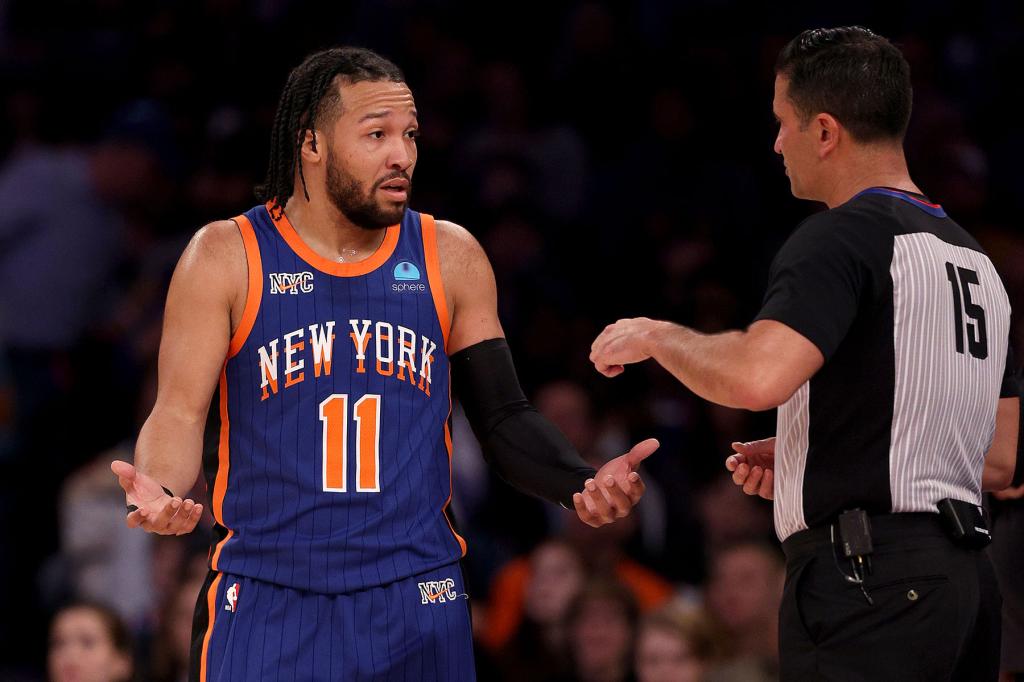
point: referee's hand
(753, 467)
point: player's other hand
(157, 511)
(753, 467)
(615, 489)
(620, 344)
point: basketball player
(883, 341)
(330, 319)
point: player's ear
(311, 149)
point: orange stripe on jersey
(211, 598)
(255, 289)
(451, 484)
(434, 273)
(220, 484)
(377, 259)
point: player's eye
(413, 134)
(377, 134)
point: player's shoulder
(218, 238)
(215, 244)
(457, 245)
(463, 259)
(216, 255)
(454, 237)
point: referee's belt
(886, 529)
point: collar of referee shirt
(926, 206)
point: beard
(363, 208)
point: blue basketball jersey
(334, 462)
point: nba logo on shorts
(232, 597)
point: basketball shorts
(413, 629)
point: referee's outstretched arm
(756, 369)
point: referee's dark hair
(853, 74)
(310, 97)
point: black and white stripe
(945, 401)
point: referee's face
(794, 142)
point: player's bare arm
(756, 369)
(1001, 459)
(204, 305)
(527, 450)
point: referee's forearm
(717, 367)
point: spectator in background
(61, 239)
(601, 625)
(743, 596)
(101, 558)
(538, 650)
(673, 645)
(88, 641)
(605, 558)
(728, 516)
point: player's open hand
(157, 511)
(615, 489)
(620, 344)
(753, 467)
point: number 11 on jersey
(334, 415)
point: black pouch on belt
(965, 523)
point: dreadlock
(308, 98)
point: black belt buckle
(964, 523)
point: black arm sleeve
(527, 450)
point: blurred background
(614, 159)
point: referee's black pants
(935, 614)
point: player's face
(372, 154)
(795, 142)
(81, 650)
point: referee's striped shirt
(913, 322)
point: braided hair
(309, 97)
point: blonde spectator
(675, 645)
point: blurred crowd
(614, 159)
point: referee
(883, 341)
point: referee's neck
(864, 166)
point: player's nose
(400, 157)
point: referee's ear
(829, 133)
